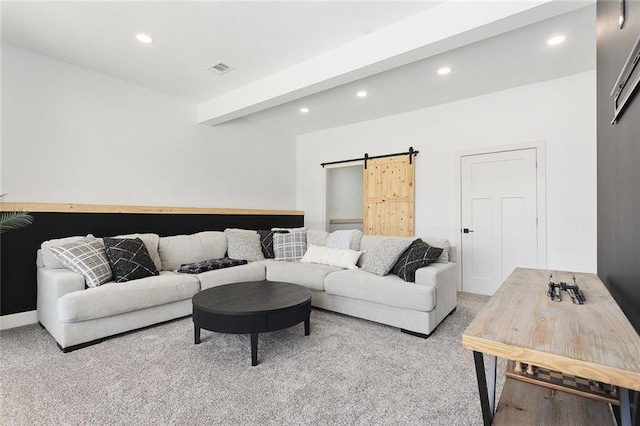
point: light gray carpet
(348, 371)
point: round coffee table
(251, 308)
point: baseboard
(18, 320)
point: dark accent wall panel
(18, 248)
(618, 163)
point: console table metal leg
(254, 349)
(307, 327)
(487, 415)
(625, 408)
(493, 364)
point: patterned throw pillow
(418, 254)
(266, 241)
(385, 255)
(244, 245)
(87, 257)
(290, 246)
(129, 259)
(210, 265)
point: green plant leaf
(14, 220)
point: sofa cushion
(290, 246)
(253, 271)
(442, 243)
(345, 239)
(385, 255)
(418, 255)
(388, 290)
(210, 265)
(151, 242)
(343, 258)
(86, 257)
(180, 249)
(129, 259)
(317, 237)
(310, 275)
(117, 298)
(244, 245)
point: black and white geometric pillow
(266, 241)
(210, 265)
(289, 247)
(416, 256)
(86, 257)
(129, 259)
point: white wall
(561, 112)
(72, 135)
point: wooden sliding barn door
(388, 194)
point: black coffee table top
(250, 298)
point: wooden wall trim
(100, 208)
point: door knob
(467, 230)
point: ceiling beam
(444, 27)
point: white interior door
(499, 223)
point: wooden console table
(520, 322)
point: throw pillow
(210, 265)
(87, 257)
(301, 229)
(244, 245)
(418, 254)
(343, 258)
(345, 239)
(385, 255)
(129, 259)
(266, 242)
(290, 246)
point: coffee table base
(254, 339)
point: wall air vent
(219, 68)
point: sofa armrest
(53, 284)
(444, 277)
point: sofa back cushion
(48, 259)
(317, 237)
(180, 249)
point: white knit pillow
(343, 258)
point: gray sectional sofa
(77, 316)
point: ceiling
(256, 38)
(509, 60)
(263, 41)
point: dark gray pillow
(418, 255)
(266, 242)
(129, 259)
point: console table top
(595, 340)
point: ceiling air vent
(220, 68)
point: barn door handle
(466, 230)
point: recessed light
(361, 94)
(556, 40)
(304, 109)
(143, 38)
(444, 70)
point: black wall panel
(618, 163)
(18, 248)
